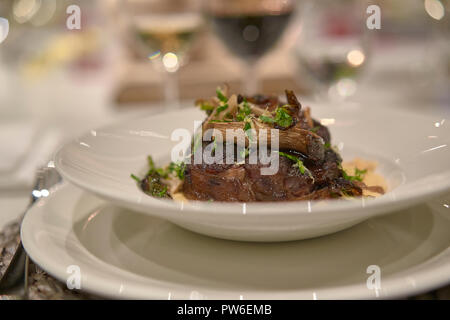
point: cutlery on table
(15, 270)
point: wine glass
(164, 31)
(249, 29)
(333, 46)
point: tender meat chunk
(244, 182)
(321, 131)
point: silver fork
(17, 270)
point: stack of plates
(129, 245)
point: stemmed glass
(249, 28)
(164, 31)
(333, 46)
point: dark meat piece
(304, 139)
(322, 131)
(153, 186)
(244, 182)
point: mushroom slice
(304, 141)
(293, 102)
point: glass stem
(250, 81)
(171, 94)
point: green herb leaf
(266, 119)
(221, 96)
(135, 178)
(206, 107)
(178, 168)
(151, 163)
(359, 175)
(218, 121)
(298, 163)
(244, 111)
(315, 129)
(163, 173)
(290, 157)
(282, 117)
(221, 108)
(162, 193)
(247, 129)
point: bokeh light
(170, 62)
(24, 10)
(435, 9)
(356, 57)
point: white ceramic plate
(124, 254)
(413, 152)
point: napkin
(23, 148)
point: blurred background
(141, 56)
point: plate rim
(392, 199)
(395, 285)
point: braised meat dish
(309, 166)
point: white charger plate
(413, 152)
(124, 254)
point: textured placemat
(42, 286)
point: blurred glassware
(249, 28)
(333, 46)
(39, 47)
(164, 31)
(408, 63)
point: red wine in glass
(249, 29)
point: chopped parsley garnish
(248, 128)
(327, 145)
(161, 194)
(206, 106)
(266, 119)
(135, 178)
(244, 111)
(221, 96)
(153, 169)
(221, 108)
(315, 129)
(178, 169)
(214, 121)
(359, 175)
(282, 118)
(298, 163)
(153, 184)
(151, 163)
